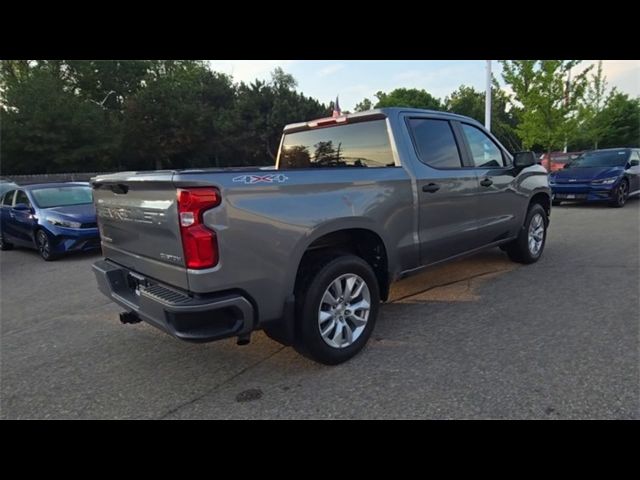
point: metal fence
(52, 177)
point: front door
(633, 172)
(23, 222)
(498, 201)
(446, 191)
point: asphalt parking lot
(478, 338)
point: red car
(558, 160)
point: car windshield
(609, 158)
(62, 196)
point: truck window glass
(363, 144)
(484, 152)
(435, 143)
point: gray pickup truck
(307, 250)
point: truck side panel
(263, 228)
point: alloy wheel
(44, 246)
(344, 310)
(536, 234)
(622, 193)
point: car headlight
(63, 223)
(605, 181)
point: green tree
(364, 105)
(466, 101)
(46, 127)
(59, 115)
(95, 79)
(471, 103)
(621, 115)
(595, 100)
(261, 112)
(546, 101)
(179, 118)
(408, 97)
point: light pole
(487, 99)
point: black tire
(519, 250)
(43, 245)
(320, 274)
(620, 194)
(4, 245)
(556, 203)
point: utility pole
(487, 99)
(568, 92)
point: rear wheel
(43, 244)
(620, 194)
(336, 308)
(4, 245)
(528, 247)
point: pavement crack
(466, 279)
(217, 386)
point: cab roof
(370, 114)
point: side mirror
(634, 163)
(524, 159)
(21, 207)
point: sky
(353, 80)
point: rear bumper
(201, 319)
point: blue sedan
(611, 175)
(53, 218)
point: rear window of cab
(363, 144)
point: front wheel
(337, 307)
(528, 247)
(620, 195)
(43, 244)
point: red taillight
(198, 242)
(323, 122)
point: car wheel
(529, 245)
(43, 244)
(4, 245)
(620, 194)
(336, 308)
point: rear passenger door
(446, 191)
(498, 202)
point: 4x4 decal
(270, 178)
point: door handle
(487, 182)
(431, 188)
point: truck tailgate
(138, 220)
